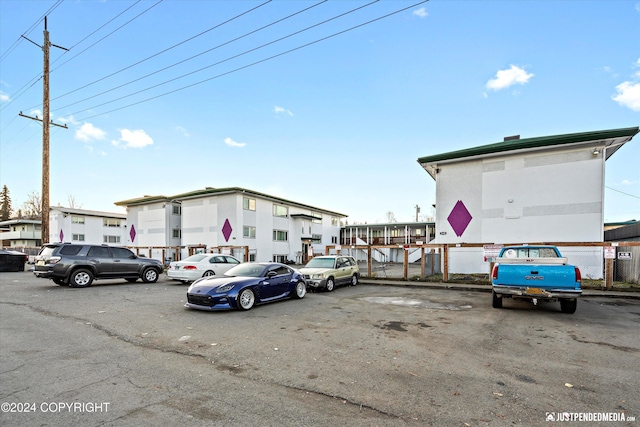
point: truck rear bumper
(530, 292)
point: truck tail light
(578, 275)
(494, 273)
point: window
(99, 252)
(177, 210)
(249, 232)
(70, 250)
(334, 240)
(279, 210)
(248, 204)
(280, 235)
(77, 237)
(316, 237)
(77, 220)
(122, 253)
(111, 222)
(280, 258)
(111, 239)
(335, 220)
(281, 269)
(396, 232)
(417, 231)
(176, 233)
(317, 219)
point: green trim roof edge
(213, 191)
(537, 142)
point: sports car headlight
(225, 288)
(318, 276)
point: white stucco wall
(546, 197)
(552, 196)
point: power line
(31, 28)
(37, 78)
(157, 54)
(622, 192)
(240, 68)
(111, 33)
(187, 59)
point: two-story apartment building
(251, 225)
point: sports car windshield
(320, 263)
(246, 270)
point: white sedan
(200, 265)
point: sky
(325, 103)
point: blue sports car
(245, 285)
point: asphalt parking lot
(119, 354)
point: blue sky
(166, 97)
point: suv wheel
(149, 275)
(81, 278)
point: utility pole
(417, 211)
(46, 121)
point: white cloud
(134, 138)
(509, 77)
(4, 97)
(182, 130)
(422, 12)
(280, 110)
(88, 132)
(231, 143)
(628, 95)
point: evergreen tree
(5, 204)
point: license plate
(177, 267)
(534, 291)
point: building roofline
(86, 212)
(210, 191)
(613, 138)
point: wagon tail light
(53, 260)
(578, 275)
(189, 267)
(494, 272)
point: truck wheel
(568, 305)
(496, 300)
(81, 278)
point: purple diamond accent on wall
(226, 230)
(132, 233)
(459, 218)
(61, 236)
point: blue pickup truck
(535, 273)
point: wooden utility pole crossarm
(46, 122)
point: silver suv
(78, 265)
(325, 272)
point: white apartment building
(250, 225)
(87, 226)
(544, 189)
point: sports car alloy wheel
(246, 299)
(301, 290)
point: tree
(5, 204)
(32, 208)
(72, 202)
(391, 217)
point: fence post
(422, 262)
(445, 268)
(608, 280)
(369, 260)
(406, 263)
